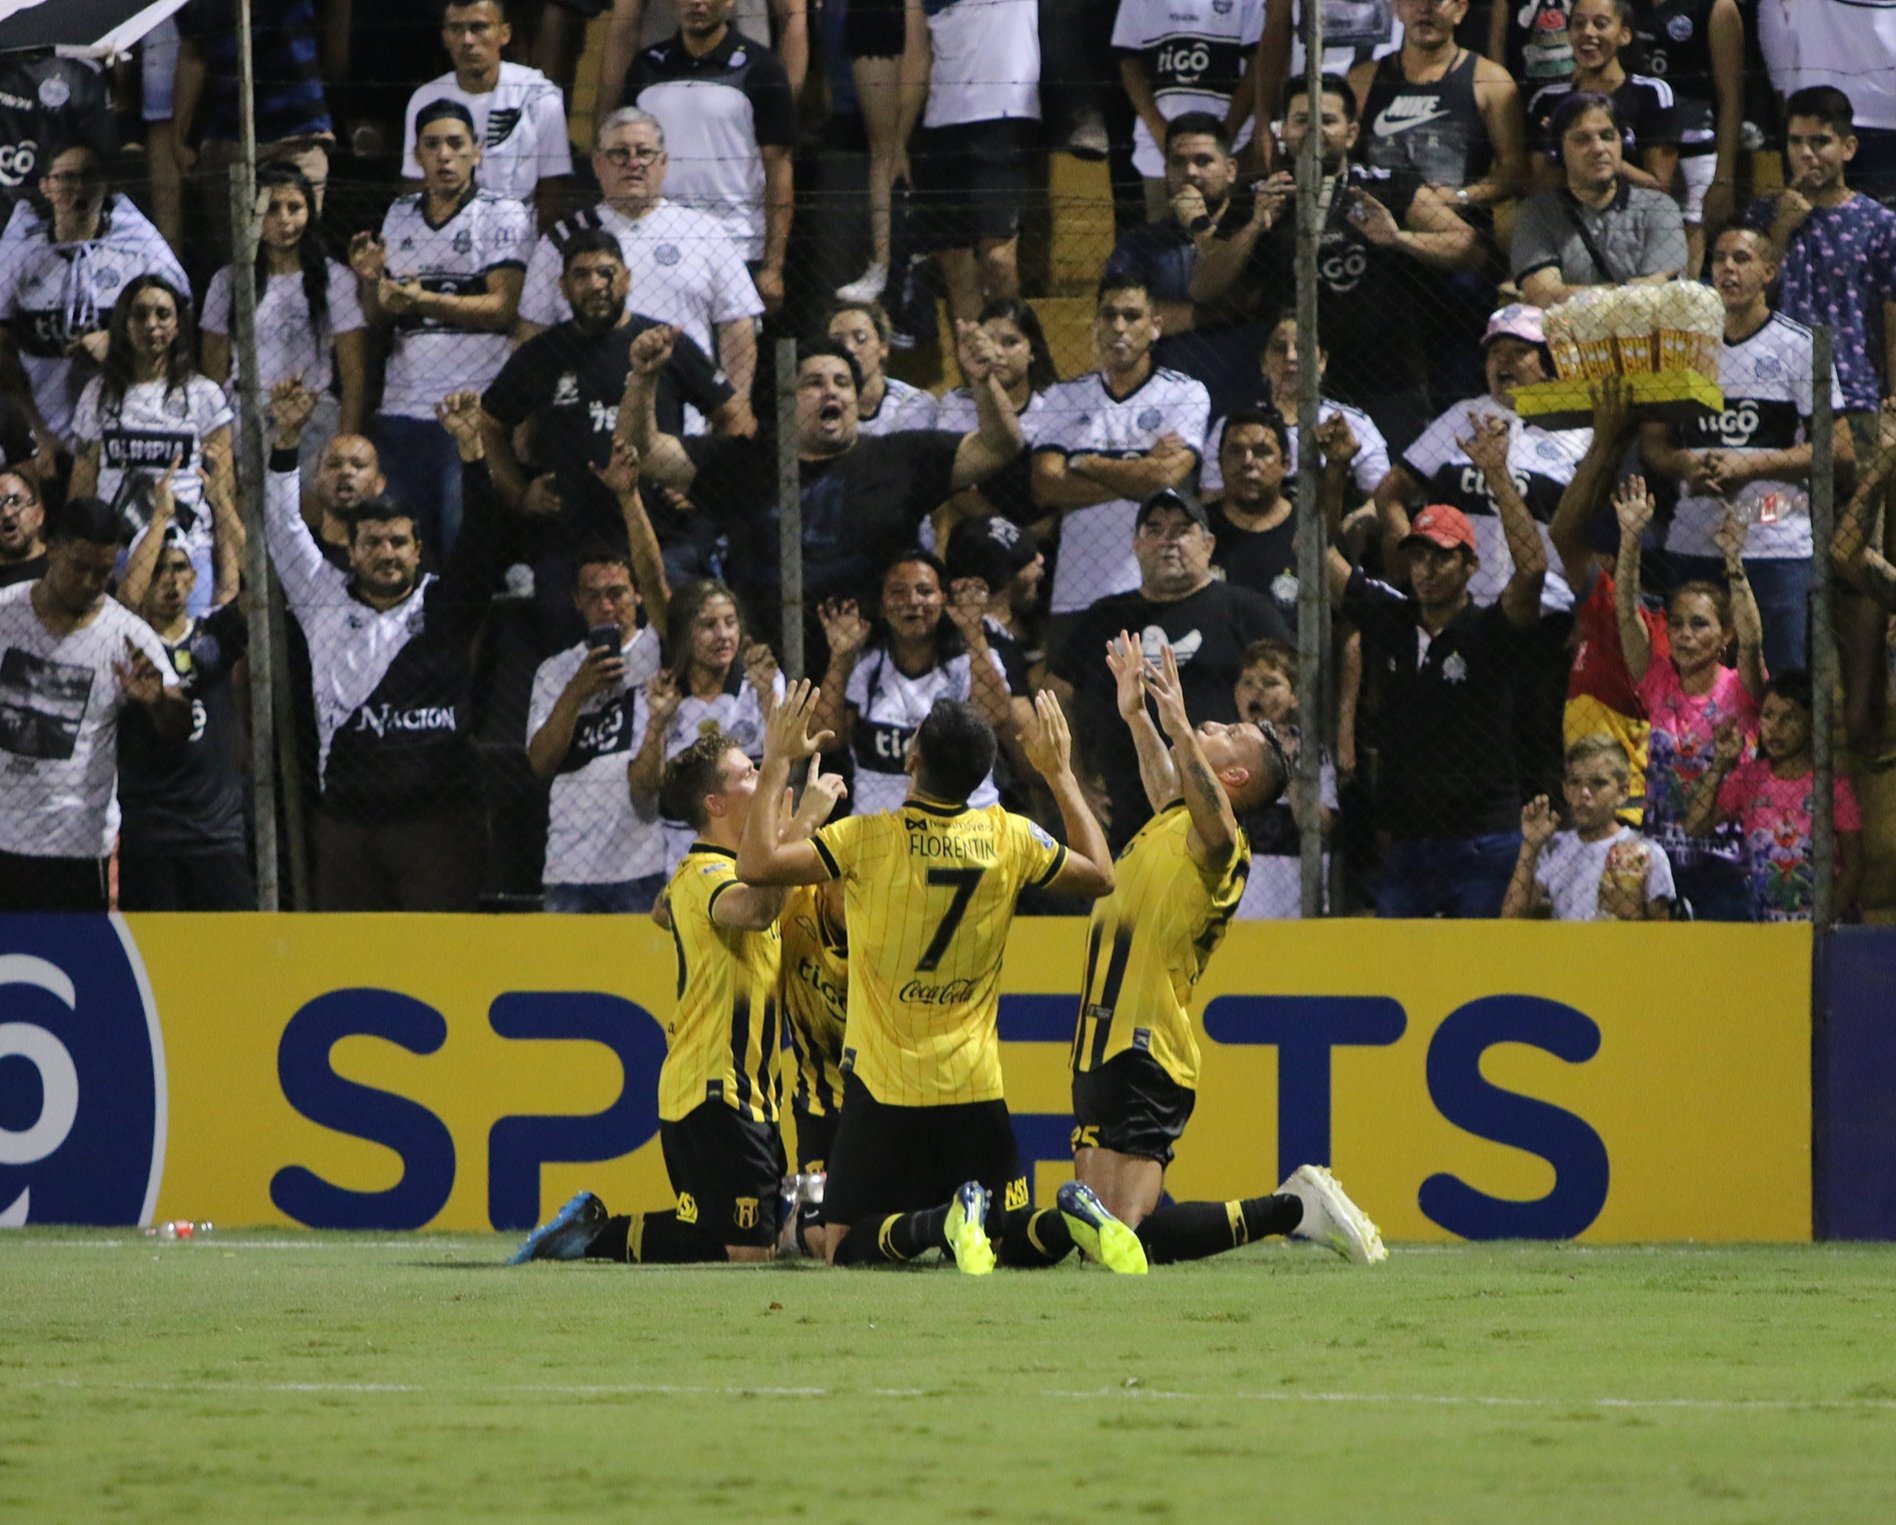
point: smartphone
(604, 637)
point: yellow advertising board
(1605, 1083)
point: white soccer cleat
(1330, 1218)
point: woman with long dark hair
(149, 412)
(885, 677)
(309, 317)
(714, 677)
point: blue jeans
(1781, 585)
(1462, 877)
(629, 896)
(424, 476)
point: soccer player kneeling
(924, 1154)
(719, 1086)
(1135, 1056)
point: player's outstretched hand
(1049, 744)
(1168, 693)
(821, 794)
(787, 731)
(1126, 662)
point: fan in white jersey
(1111, 439)
(149, 413)
(1177, 56)
(604, 850)
(716, 680)
(685, 270)
(519, 114)
(1279, 364)
(60, 275)
(1756, 453)
(1438, 469)
(884, 405)
(1023, 365)
(444, 278)
(883, 679)
(309, 315)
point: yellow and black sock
(1177, 1231)
(1031, 1240)
(895, 1238)
(654, 1239)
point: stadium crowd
(513, 338)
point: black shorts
(873, 29)
(728, 1173)
(816, 1139)
(1130, 1106)
(970, 183)
(904, 1159)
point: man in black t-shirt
(863, 499)
(182, 845)
(1206, 622)
(568, 380)
(22, 530)
(1442, 672)
(1386, 244)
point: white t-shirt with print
(288, 343)
(1569, 871)
(595, 832)
(521, 124)
(903, 407)
(60, 702)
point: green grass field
(322, 1376)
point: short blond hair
(1609, 749)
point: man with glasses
(22, 530)
(685, 270)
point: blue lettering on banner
(518, 1146)
(312, 1086)
(1304, 1029)
(1472, 1103)
(82, 1074)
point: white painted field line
(1083, 1395)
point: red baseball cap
(1441, 525)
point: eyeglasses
(619, 158)
(17, 500)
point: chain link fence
(1541, 645)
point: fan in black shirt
(862, 499)
(1207, 623)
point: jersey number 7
(964, 880)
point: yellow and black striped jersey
(815, 1000)
(929, 891)
(721, 1043)
(1148, 943)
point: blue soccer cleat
(567, 1234)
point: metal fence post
(789, 510)
(1823, 646)
(1313, 536)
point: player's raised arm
(1214, 824)
(1126, 661)
(1088, 870)
(765, 857)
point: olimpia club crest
(82, 1074)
